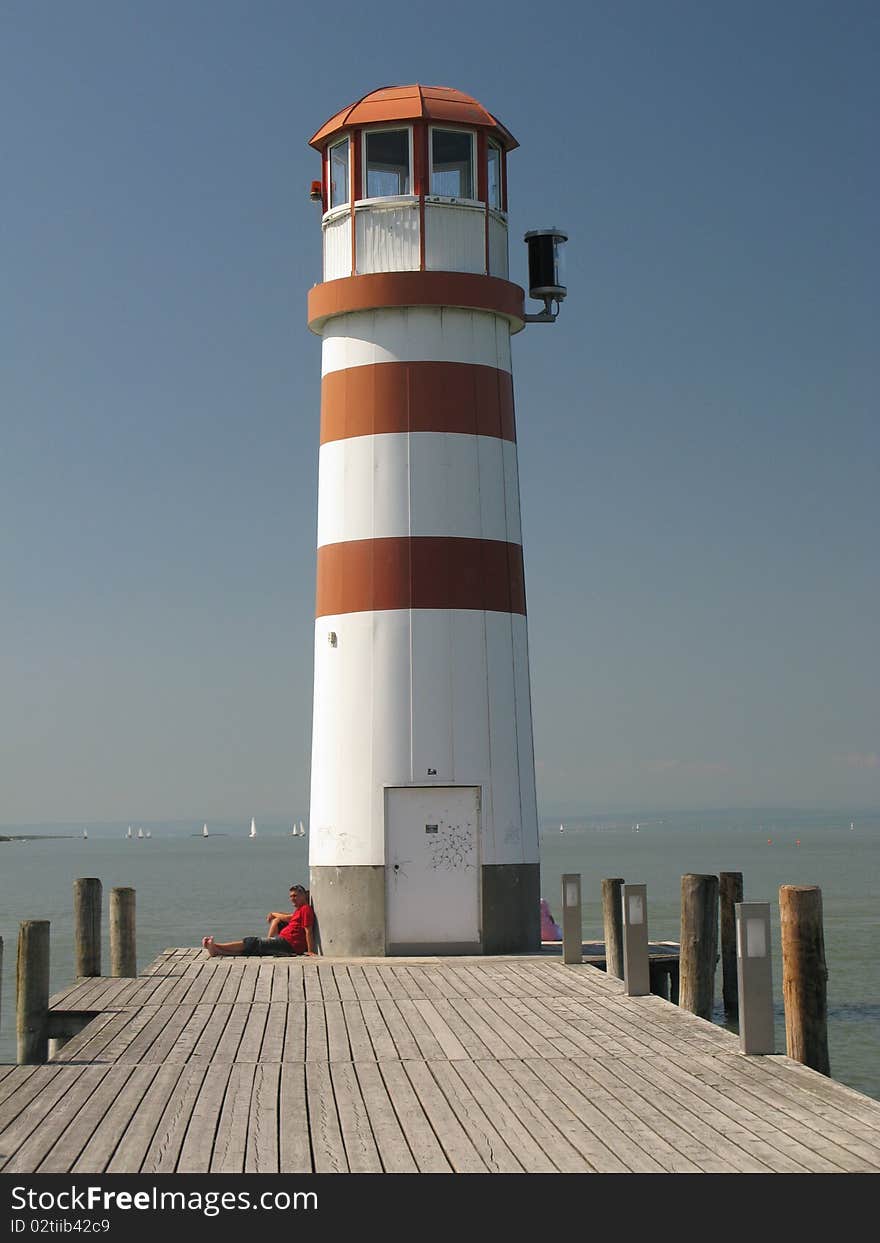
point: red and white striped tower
(423, 823)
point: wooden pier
(505, 1064)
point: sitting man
(288, 933)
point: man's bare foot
(208, 943)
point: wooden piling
(699, 943)
(612, 918)
(730, 891)
(804, 976)
(87, 892)
(123, 952)
(32, 992)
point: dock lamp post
(636, 967)
(753, 973)
(572, 934)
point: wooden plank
(263, 985)
(232, 982)
(104, 1140)
(212, 1032)
(361, 1152)
(359, 1042)
(344, 986)
(164, 1040)
(12, 1079)
(71, 1139)
(273, 1039)
(173, 1122)
(36, 1085)
(428, 1045)
(219, 969)
(493, 1044)
(828, 1149)
(253, 1033)
(312, 984)
(228, 1044)
(230, 1140)
(161, 1018)
(36, 1129)
(726, 1117)
(198, 1143)
(328, 1149)
(338, 1049)
(261, 1154)
(391, 1145)
(455, 1141)
(316, 1032)
(670, 1147)
(449, 1044)
(327, 982)
(547, 1120)
(294, 1049)
(107, 1032)
(384, 1048)
(400, 1033)
(504, 1121)
(187, 1040)
(135, 1136)
(418, 1132)
(375, 978)
(294, 1149)
(605, 1144)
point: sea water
(188, 886)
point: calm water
(187, 887)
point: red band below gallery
(420, 572)
(466, 398)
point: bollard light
(636, 965)
(754, 977)
(572, 943)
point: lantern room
(414, 178)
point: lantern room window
(452, 163)
(387, 164)
(338, 195)
(494, 178)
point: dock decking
(411, 1065)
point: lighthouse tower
(423, 821)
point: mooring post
(123, 949)
(572, 933)
(87, 893)
(636, 957)
(699, 944)
(730, 891)
(32, 992)
(755, 977)
(612, 919)
(804, 976)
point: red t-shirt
(294, 931)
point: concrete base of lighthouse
(350, 907)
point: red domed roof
(414, 103)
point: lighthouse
(423, 819)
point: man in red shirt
(288, 933)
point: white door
(432, 869)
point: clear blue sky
(698, 434)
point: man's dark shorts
(266, 947)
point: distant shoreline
(37, 837)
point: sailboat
(140, 833)
(253, 832)
(293, 832)
(562, 828)
(148, 833)
(302, 831)
(85, 834)
(204, 830)
(128, 834)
